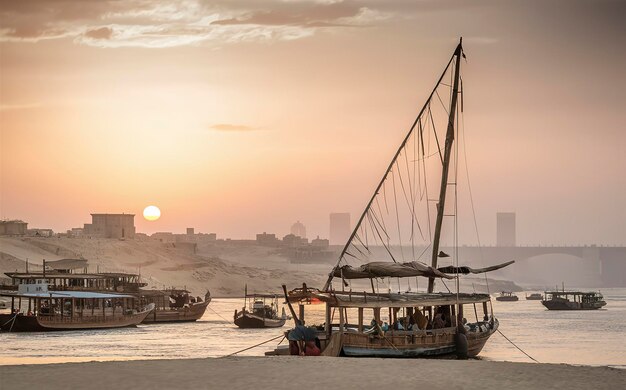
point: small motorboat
(260, 311)
(507, 296)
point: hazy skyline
(238, 117)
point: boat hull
(189, 314)
(247, 320)
(414, 345)
(569, 305)
(507, 299)
(25, 323)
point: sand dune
(223, 271)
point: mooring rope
(219, 315)
(254, 346)
(11, 319)
(507, 339)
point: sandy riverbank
(293, 372)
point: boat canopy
(381, 269)
(64, 294)
(364, 299)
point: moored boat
(534, 297)
(507, 296)
(420, 325)
(34, 308)
(573, 300)
(259, 311)
(174, 305)
(171, 305)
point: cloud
(226, 127)
(152, 24)
(14, 107)
(100, 33)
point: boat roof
(573, 292)
(262, 296)
(64, 294)
(371, 300)
(54, 274)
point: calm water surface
(576, 337)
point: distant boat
(174, 305)
(573, 300)
(260, 311)
(534, 297)
(507, 296)
(34, 308)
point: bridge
(601, 265)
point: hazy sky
(238, 117)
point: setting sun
(151, 213)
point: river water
(576, 337)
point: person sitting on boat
(375, 329)
(397, 325)
(439, 322)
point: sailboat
(401, 225)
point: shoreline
(286, 372)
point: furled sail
(381, 269)
(468, 270)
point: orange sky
(238, 117)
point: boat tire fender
(460, 340)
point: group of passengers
(418, 320)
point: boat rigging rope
(218, 314)
(254, 346)
(521, 350)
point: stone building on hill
(13, 228)
(111, 226)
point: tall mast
(446, 163)
(395, 157)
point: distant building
(298, 229)
(75, 232)
(13, 228)
(293, 241)
(320, 242)
(111, 226)
(36, 232)
(211, 237)
(190, 231)
(163, 236)
(339, 228)
(266, 239)
(505, 227)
